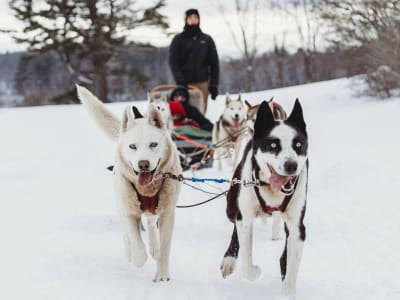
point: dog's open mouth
(285, 184)
(236, 122)
(145, 178)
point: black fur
(136, 113)
(283, 260)
(302, 228)
(304, 144)
(264, 122)
(296, 118)
(267, 145)
(232, 208)
(233, 248)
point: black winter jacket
(193, 58)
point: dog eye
(153, 145)
(273, 145)
(298, 145)
(132, 146)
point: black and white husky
(272, 176)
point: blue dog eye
(132, 146)
(273, 145)
(298, 145)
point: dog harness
(264, 206)
(225, 124)
(148, 203)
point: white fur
(162, 105)
(152, 143)
(250, 209)
(285, 135)
(234, 110)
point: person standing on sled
(193, 58)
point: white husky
(144, 149)
(227, 128)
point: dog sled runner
(194, 145)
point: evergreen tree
(84, 33)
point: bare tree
(374, 26)
(84, 33)
(308, 25)
(246, 39)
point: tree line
(86, 42)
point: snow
(62, 238)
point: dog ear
(264, 120)
(247, 104)
(149, 98)
(136, 113)
(240, 98)
(227, 98)
(128, 118)
(155, 118)
(271, 99)
(296, 118)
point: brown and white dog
(144, 149)
(275, 162)
(232, 121)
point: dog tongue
(145, 178)
(277, 181)
(236, 123)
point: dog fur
(162, 105)
(141, 139)
(278, 149)
(279, 115)
(233, 119)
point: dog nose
(290, 166)
(236, 116)
(144, 165)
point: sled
(194, 145)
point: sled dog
(271, 177)
(144, 150)
(228, 128)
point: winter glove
(213, 91)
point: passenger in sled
(188, 120)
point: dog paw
(139, 256)
(289, 290)
(228, 266)
(161, 277)
(251, 273)
(276, 236)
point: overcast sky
(211, 22)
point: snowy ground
(61, 237)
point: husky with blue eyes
(144, 150)
(271, 177)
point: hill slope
(62, 237)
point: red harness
(148, 203)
